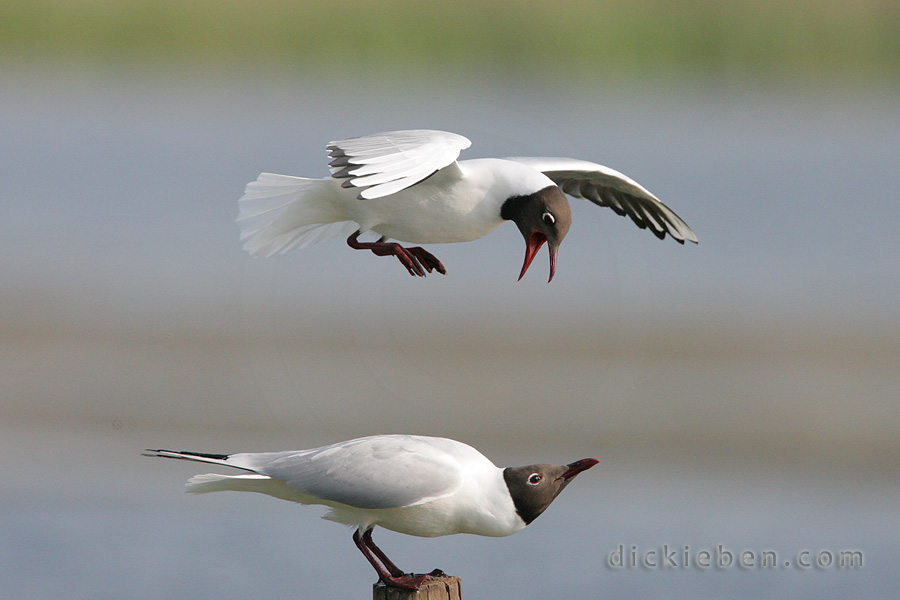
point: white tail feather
(262, 484)
(281, 212)
(215, 482)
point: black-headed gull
(416, 485)
(409, 186)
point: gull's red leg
(388, 563)
(416, 260)
(388, 572)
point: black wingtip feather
(205, 455)
(344, 172)
(340, 161)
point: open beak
(578, 466)
(534, 243)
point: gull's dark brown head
(534, 487)
(543, 216)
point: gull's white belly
(438, 210)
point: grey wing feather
(365, 473)
(607, 187)
(385, 163)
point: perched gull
(409, 186)
(416, 485)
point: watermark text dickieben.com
(684, 557)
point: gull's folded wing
(373, 472)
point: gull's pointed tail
(215, 482)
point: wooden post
(439, 588)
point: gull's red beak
(578, 466)
(535, 241)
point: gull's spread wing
(385, 163)
(607, 187)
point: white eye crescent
(548, 218)
(534, 478)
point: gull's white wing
(385, 163)
(607, 187)
(374, 472)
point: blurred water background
(742, 392)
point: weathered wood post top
(439, 588)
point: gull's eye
(548, 218)
(534, 478)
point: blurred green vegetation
(791, 38)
